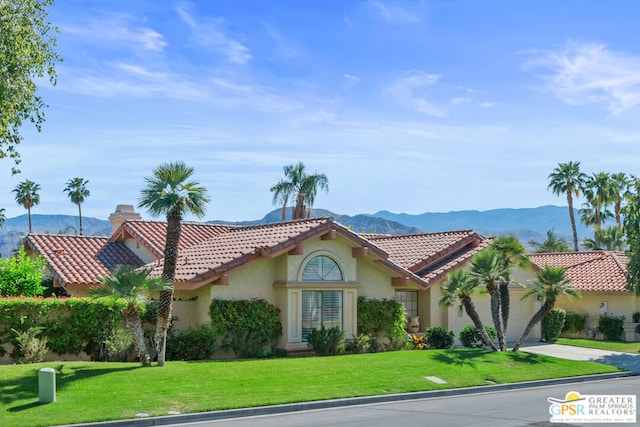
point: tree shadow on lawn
(469, 357)
(26, 386)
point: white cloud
(591, 73)
(350, 81)
(395, 14)
(410, 91)
(119, 29)
(209, 32)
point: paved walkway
(628, 361)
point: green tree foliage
(299, 186)
(632, 230)
(552, 243)
(21, 275)
(77, 191)
(27, 42)
(606, 239)
(171, 192)
(553, 324)
(382, 320)
(567, 179)
(27, 196)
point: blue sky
(407, 106)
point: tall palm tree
(620, 189)
(567, 179)
(488, 268)
(133, 286)
(170, 192)
(27, 196)
(459, 286)
(77, 191)
(552, 243)
(300, 188)
(511, 253)
(549, 284)
(600, 194)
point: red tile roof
(76, 261)
(598, 271)
(151, 234)
(431, 255)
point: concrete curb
(335, 403)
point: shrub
(574, 322)
(194, 344)
(636, 317)
(380, 319)
(359, 344)
(71, 325)
(327, 342)
(552, 324)
(438, 337)
(31, 348)
(119, 345)
(610, 327)
(21, 275)
(471, 338)
(246, 326)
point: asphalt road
(513, 408)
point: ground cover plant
(627, 347)
(90, 391)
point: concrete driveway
(628, 361)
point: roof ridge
(396, 236)
(282, 223)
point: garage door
(519, 315)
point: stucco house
(314, 270)
(600, 276)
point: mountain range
(524, 223)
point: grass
(627, 347)
(90, 392)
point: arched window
(321, 269)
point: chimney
(122, 213)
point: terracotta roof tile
(603, 271)
(77, 261)
(151, 234)
(431, 255)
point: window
(320, 308)
(322, 268)
(410, 301)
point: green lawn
(89, 392)
(628, 347)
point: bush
(552, 324)
(383, 321)
(327, 342)
(359, 344)
(30, 348)
(471, 338)
(21, 275)
(438, 337)
(246, 326)
(71, 325)
(194, 344)
(119, 345)
(636, 317)
(574, 322)
(610, 327)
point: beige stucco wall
(143, 253)
(617, 304)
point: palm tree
(459, 285)
(620, 189)
(552, 243)
(77, 191)
(27, 196)
(2, 218)
(169, 192)
(299, 186)
(566, 178)
(606, 239)
(599, 193)
(488, 268)
(132, 286)
(511, 253)
(549, 284)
